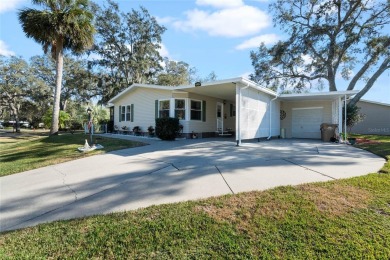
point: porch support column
(345, 117)
(239, 107)
(340, 121)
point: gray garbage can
(328, 131)
(282, 133)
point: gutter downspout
(239, 115)
(270, 116)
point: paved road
(165, 172)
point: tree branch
(366, 66)
(384, 66)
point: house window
(164, 109)
(180, 109)
(128, 113)
(123, 113)
(196, 110)
(232, 110)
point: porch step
(224, 133)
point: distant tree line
(91, 52)
(324, 42)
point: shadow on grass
(163, 173)
(27, 155)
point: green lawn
(343, 219)
(376, 144)
(22, 152)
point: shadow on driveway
(165, 172)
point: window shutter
(204, 111)
(231, 110)
(156, 109)
(132, 112)
(120, 113)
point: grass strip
(344, 219)
(30, 152)
(377, 144)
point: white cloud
(232, 22)
(163, 51)
(4, 50)
(164, 20)
(8, 5)
(221, 3)
(255, 41)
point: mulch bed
(366, 141)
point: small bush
(76, 126)
(63, 119)
(353, 116)
(151, 130)
(137, 130)
(167, 128)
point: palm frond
(38, 25)
(68, 19)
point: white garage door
(306, 122)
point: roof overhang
(226, 90)
(318, 96)
(374, 102)
(135, 86)
(222, 89)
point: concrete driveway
(165, 172)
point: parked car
(1, 126)
(24, 124)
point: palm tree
(61, 25)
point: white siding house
(233, 107)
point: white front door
(306, 122)
(219, 117)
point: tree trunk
(384, 66)
(57, 92)
(17, 124)
(331, 80)
(15, 113)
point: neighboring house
(377, 118)
(237, 107)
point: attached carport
(256, 109)
(302, 114)
(261, 113)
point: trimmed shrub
(167, 128)
(137, 130)
(353, 116)
(151, 130)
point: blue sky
(211, 35)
